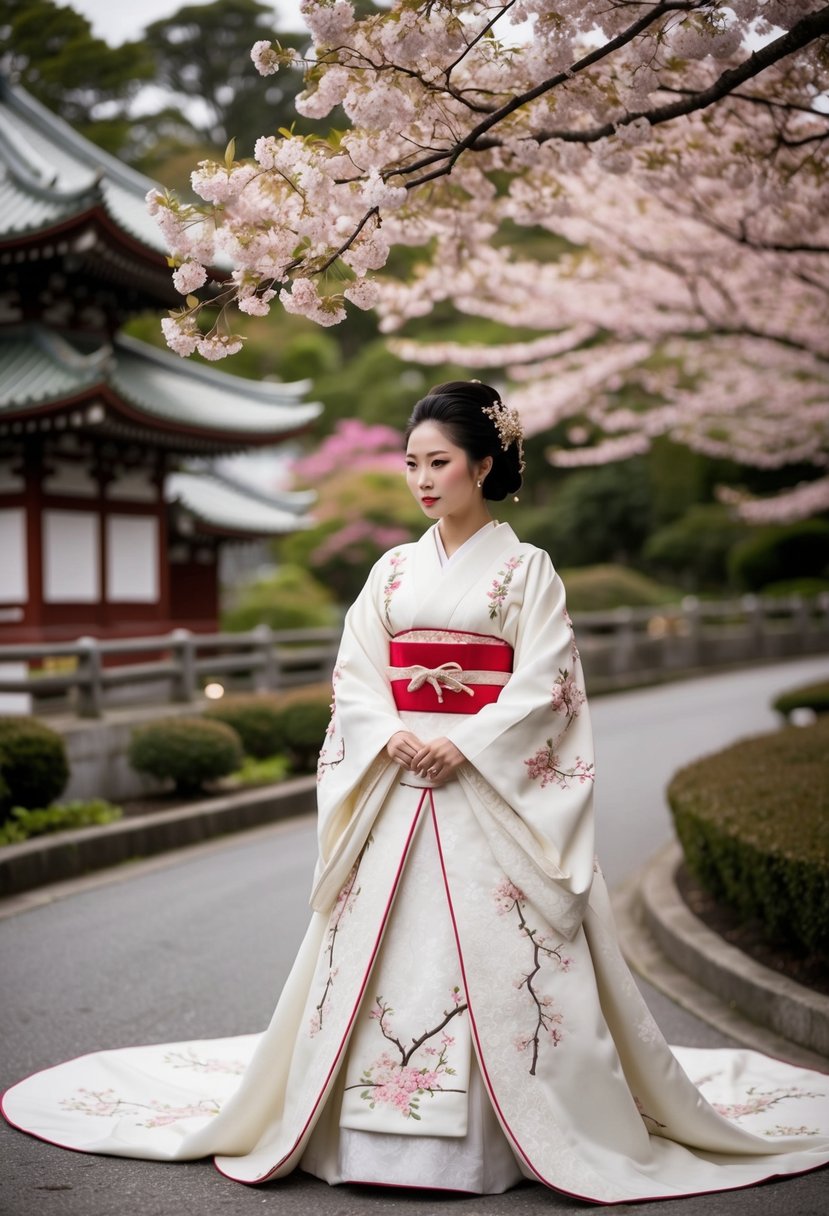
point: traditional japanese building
(111, 516)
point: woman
(459, 1014)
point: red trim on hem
(351, 1020)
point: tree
(203, 52)
(680, 149)
(51, 51)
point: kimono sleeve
(364, 717)
(532, 751)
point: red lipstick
(427, 502)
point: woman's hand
(438, 760)
(403, 747)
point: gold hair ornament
(507, 423)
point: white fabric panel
(71, 557)
(132, 559)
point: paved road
(198, 945)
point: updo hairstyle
(458, 408)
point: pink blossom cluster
(566, 696)
(546, 766)
(675, 153)
(353, 445)
(347, 543)
(507, 896)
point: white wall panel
(14, 583)
(132, 559)
(71, 560)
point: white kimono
(459, 1014)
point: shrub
(306, 722)
(809, 696)
(258, 721)
(753, 821)
(779, 552)
(289, 599)
(262, 772)
(695, 548)
(33, 764)
(805, 587)
(600, 588)
(188, 751)
(23, 823)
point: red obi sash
(446, 671)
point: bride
(459, 1014)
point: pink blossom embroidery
(500, 586)
(393, 581)
(330, 756)
(343, 906)
(567, 697)
(105, 1103)
(545, 766)
(508, 899)
(189, 1059)
(398, 1082)
(758, 1101)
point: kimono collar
(439, 591)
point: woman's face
(440, 475)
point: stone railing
(88, 676)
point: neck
(455, 531)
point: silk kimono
(459, 1013)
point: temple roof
(50, 174)
(218, 505)
(126, 387)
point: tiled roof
(39, 369)
(227, 507)
(48, 173)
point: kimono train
(459, 1014)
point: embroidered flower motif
(497, 593)
(189, 1059)
(399, 1083)
(393, 580)
(508, 898)
(545, 766)
(646, 1118)
(329, 758)
(343, 906)
(567, 697)
(759, 1101)
(105, 1103)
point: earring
(480, 483)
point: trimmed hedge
(808, 696)
(33, 765)
(602, 588)
(306, 722)
(753, 821)
(188, 751)
(258, 719)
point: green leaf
(230, 154)
(192, 301)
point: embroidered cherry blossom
(545, 766)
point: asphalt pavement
(197, 944)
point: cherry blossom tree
(675, 150)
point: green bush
(809, 696)
(257, 719)
(187, 751)
(790, 551)
(289, 599)
(262, 772)
(23, 823)
(695, 548)
(306, 722)
(753, 821)
(805, 587)
(600, 588)
(33, 764)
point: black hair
(458, 407)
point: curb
(44, 860)
(665, 943)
